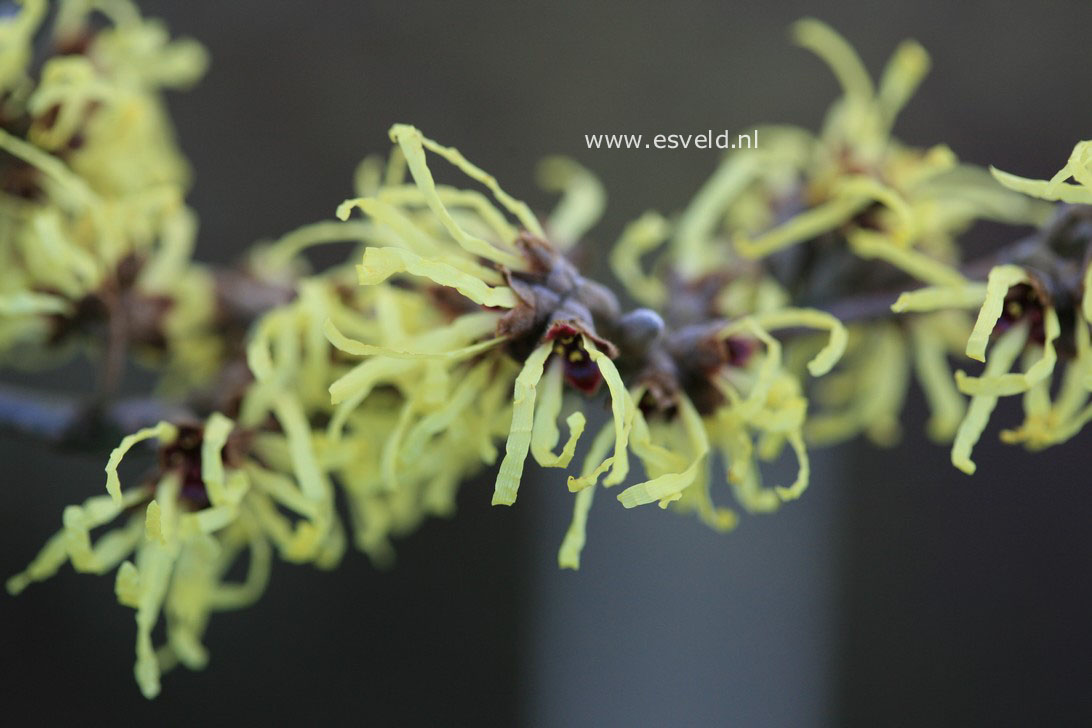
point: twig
(72, 423)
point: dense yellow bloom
(176, 540)
(848, 211)
(530, 324)
(466, 337)
(95, 188)
(1023, 304)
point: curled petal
(568, 556)
(935, 298)
(582, 203)
(1004, 354)
(1014, 383)
(1001, 279)
(519, 434)
(669, 486)
(641, 236)
(545, 434)
(829, 355)
(622, 411)
(165, 432)
(381, 263)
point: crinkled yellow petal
(622, 411)
(368, 175)
(217, 429)
(1014, 383)
(358, 348)
(389, 463)
(284, 250)
(466, 393)
(407, 233)
(670, 485)
(653, 455)
(1086, 300)
(24, 303)
(696, 226)
(869, 244)
(381, 263)
(235, 596)
(568, 556)
(1079, 167)
(823, 41)
(153, 523)
(350, 390)
(583, 199)
(946, 406)
(829, 355)
(639, 237)
(875, 385)
(801, 227)
(292, 419)
(282, 489)
(1004, 354)
(901, 78)
(472, 200)
(155, 569)
(165, 432)
(803, 471)
(519, 434)
(413, 146)
(517, 208)
(935, 298)
(767, 369)
(97, 511)
(50, 166)
(906, 229)
(44, 565)
(545, 434)
(1001, 279)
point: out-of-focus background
(897, 591)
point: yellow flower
(1023, 306)
(526, 326)
(96, 220)
(848, 212)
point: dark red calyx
(580, 371)
(183, 456)
(1023, 303)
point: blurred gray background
(898, 591)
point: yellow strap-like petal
(583, 199)
(545, 434)
(519, 434)
(639, 237)
(165, 432)
(1001, 279)
(381, 263)
(823, 41)
(622, 411)
(568, 556)
(1010, 383)
(829, 355)
(669, 485)
(358, 348)
(1004, 354)
(936, 298)
(413, 146)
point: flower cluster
(762, 326)
(849, 212)
(94, 221)
(1036, 306)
